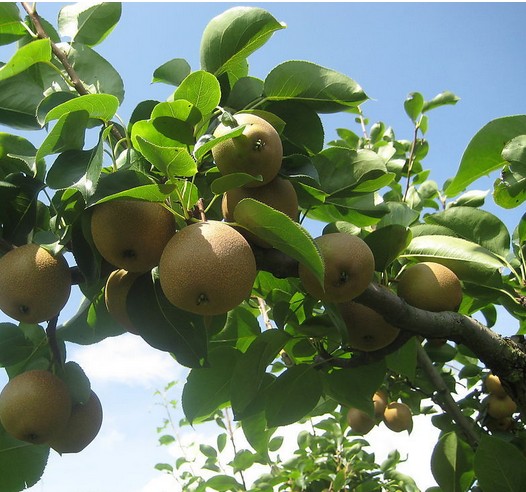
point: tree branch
(62, 57)
(444, 399)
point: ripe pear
(207, 268)
(278, 194)
(115, 294)
(430, 286)
(380, 402)
(257, 151)
(82, 427)
(131, 234)
(494, 386)
(349, 268)
(398, 417)
(359, 421)
(367, 330)
(35, 406)
(499, 408)
(34, 284)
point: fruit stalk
(51, 333)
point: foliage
(297, 363)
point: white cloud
(126, 359)
(161, 483)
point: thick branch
(444, 399)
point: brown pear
(398, 417)
(359, 421)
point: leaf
(509, 190)
(67, 134)
(21, 464)
(11, 28)
(403, 361)
(149, 193)
(78, 383)
(483, 153)
(250, 370)
(172, 161)
(257, 434)
(476, 225)
(452, 464)
(294, 394)
(468, 260)
(94, 70)
(441, 99)
(26, 56)
(499, 466)
(207, 389)
(515, 150)
(223, 483)
(165, 327)
(413, 105)
(281, 232)
(10, 146)
(232, 36)
(88, 22)
(387, 243)
(230, 181)
(201, 89)
(99, 106)
(341, 170)
(322, 89)
(14, 347)
(172, 72)
(354, 386)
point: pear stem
(51, 332)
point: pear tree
(275, 326)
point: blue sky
(475, 50)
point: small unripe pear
(499, 408)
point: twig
(411, 161)
(264, 313)
(51, 332)
(232, 440)
(444, 398)
(62, 57)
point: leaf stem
(411, 159)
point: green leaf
(149, 193)
(35, 52)
(207, 389)
(201, 89)
(172, 161)
(484, 152)
(452, 464)
(510, 188)
(78, 383)
(281, 232)
(257, 434)
(99, 106)
(91, 324)
(96, 72)
(165, 327)
(14, 347)
(387, 243)
(21, 464)
(250, 370)
(413, 105)
(11, 28)
(89, 23)
(172, 72)
(341, 170)
(294, 394)
(515, 150)
(232, 36)
(67, 134)
(476, 225)
(472, 198)
(355, 386)
(230, 181)
(403, 361)
(322, 89)
(441, 99)
(13, 145)
(467, 259)
(499, 466)
(223, 483)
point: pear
(82, 427)
(34, 284)
(359, 421)
(398, 417)
(430, 286)
(349, 268)
(35, 406)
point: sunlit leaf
(26, 56)
(172, 72)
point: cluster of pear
(499, 405)
(396, 416)
(36, 407)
